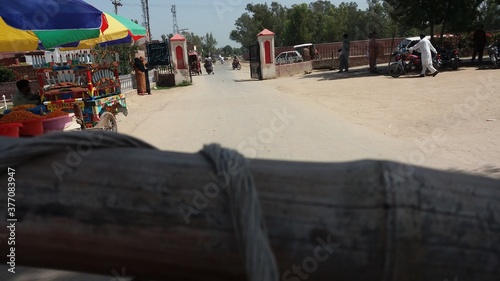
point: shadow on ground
(246, 80)
(383, 70)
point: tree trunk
(431, 31)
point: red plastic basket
(10, 129)
(32, 128)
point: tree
(208, 44)
(453, 15)
(126, 54)
(193, 39)
(323, 21)
(257, 18)
(6, 74)
(377, 19)
(489, 14)
(227, 50)
(299, 25)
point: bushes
(6, 75)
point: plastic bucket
(10, 129)
(57, 123)
(32, 128)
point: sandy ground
(449, 122)
(453, 118)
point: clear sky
(198, 16)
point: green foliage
(257, 18)
(6, 75)
(226, 51)
(184, 84)
(489, 14)
(317, 22)
(452, 15)
(193, 39)
(208, 44)
(127, 54)
(321, 21)
(299, 25)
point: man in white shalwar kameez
(425, 47)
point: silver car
(289, 57)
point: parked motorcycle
(449, 58)
(493, 53)
(236, 65)
(406, 62)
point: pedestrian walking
(425, 47)
(372, 51)
(344, 55)
(479, 41)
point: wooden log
(107, 209)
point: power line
(116, 3)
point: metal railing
(128, 81)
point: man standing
(344, 55)
(425, 47)
(146, 74)
(479, 41)
(372, 52)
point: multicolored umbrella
(25, 24)
(120, 30)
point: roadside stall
(81, 93)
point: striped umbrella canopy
(120, 30)
(26, 24)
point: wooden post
(164, 216)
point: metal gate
(255, 66)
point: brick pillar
(267, 55)
(179, 53)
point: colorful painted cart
(91, 91)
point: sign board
(158, 54)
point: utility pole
(145, 16)
(174, 16)
(116, 3)
(149, 28)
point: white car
(409, 42)
(289, 57)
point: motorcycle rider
(425, 47)
(209, 65)
(221, 58)
(236, 62)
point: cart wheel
(108, 122)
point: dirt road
(439, 122)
